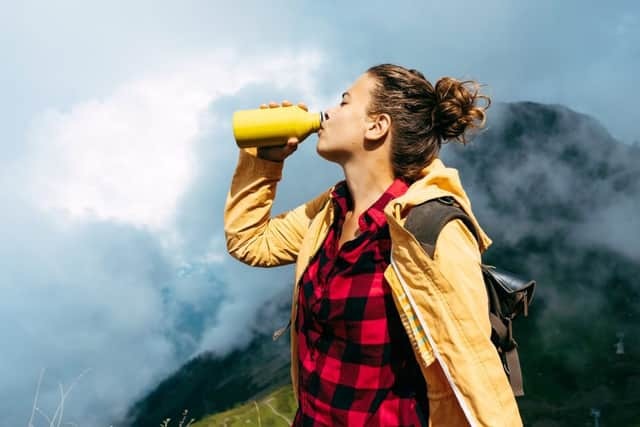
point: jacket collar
(436, 180)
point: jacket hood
(437, 180)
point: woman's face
(342, 134)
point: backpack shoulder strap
(425, 221)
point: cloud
(129, 156)
(113, 257)
(83, 296)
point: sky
(117, 154)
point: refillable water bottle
(266, 127)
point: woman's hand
(280, 152)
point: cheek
(343, 121)
(343, 129)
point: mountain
(559, 197)
(209, 384)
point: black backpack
(509, 295)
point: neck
(367, 179)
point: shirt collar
(375, 213)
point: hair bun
(456, 110)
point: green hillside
(276, 409)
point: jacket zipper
(456, 391)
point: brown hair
(423, 117)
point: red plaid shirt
(356, 364)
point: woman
(384, 335)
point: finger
(292, 145)
(273, 104)
(293, 140)
(291, 148)
(303, 106)
(286, 103)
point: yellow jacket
(441, 301)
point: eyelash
(342, 103)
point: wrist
(250, 160)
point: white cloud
(129, 156)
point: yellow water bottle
(266, 127)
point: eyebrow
(345, 93)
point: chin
(322, 151)
(329, 153)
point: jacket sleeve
(252, 235)
(477, 371)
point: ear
(379, 127)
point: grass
(56, 419)
(277, 409)
(166, 422)
(274, 410)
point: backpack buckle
(447, 200)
